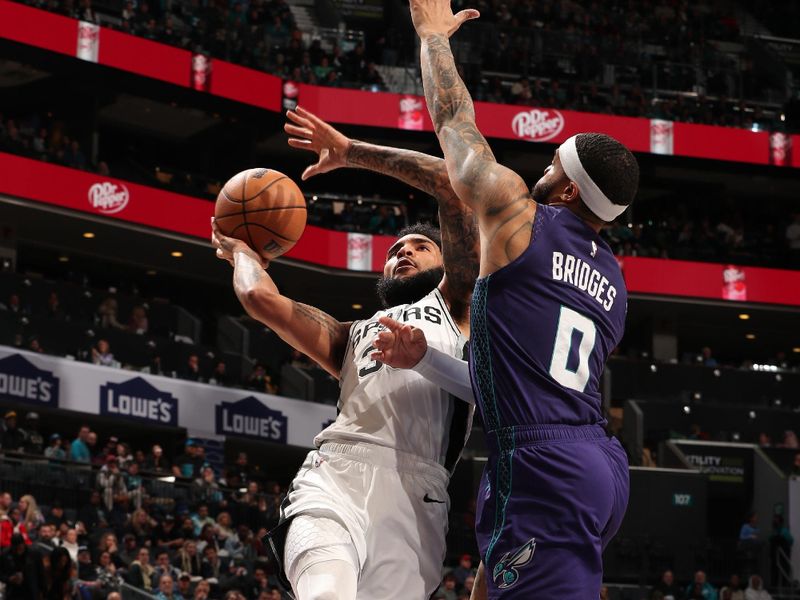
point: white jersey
(398, 408)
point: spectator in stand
(167, 535)
(140, 571)
(34, 345)
(18, 572)
(163, 567)
(14, 306)
(142, 527)
(790, 440)
(185, 586)
(31, 515)
(34, 441)
(101, 354)
(138, 322)
(79, 451)
(219, 376)
(213, 566)
(447, 591)
(91, 514)
(464, 569)
(108, 543)
(5, 502)
(202, 591)
(795, 470)
(106, 574)
(54, 310)
(129, 551)
(191, 370)
(707, 358)
(124, 455)
(135, 485)
(13, 438)
(764, 440)
(112, 484)
(56, 518)
(157, 463)
(45, 538)
(201, 518)
(87, 572)
(166, 589)
(733, 590)
(188, 464)
(469, 584)
(780, 543)
(70, 542)
(54, 450)
(107, 314)
(755, 590)
(188, 560)
(749, 532)
(700, 588)
(11, 525)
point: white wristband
(448, 372)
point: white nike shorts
(394, 506)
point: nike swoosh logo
(429, 499)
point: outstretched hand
(314, 134)
(400, 346)
(435, 17)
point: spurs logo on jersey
(398, 408)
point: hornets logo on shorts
(505, 572)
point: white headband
(591, 195)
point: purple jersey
(543, 326)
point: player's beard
(541, 191)
(395, 291)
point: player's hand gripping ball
(263, 208)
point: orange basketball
(263, 208)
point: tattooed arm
(460, 241)
(500, 197)
(305, 328)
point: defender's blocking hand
(400, 346)
(435, 17)
(312, 133)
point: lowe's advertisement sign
(207, 411)
(139, 400)
(22, 381)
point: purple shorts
(551, 498)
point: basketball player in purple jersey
(547, 310)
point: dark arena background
(135, 392)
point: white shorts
(394, 506)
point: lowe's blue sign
(251, 418)
(22, 381)
(139, 400)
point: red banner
(116, 199)
(711, 280)
(393, 111)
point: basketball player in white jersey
(366, 516)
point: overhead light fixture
(176, 254)
(750, 336)
(63, 259)
(752, 414)
(687, 410)
(796, 349)
(744, 316)
(358, 306)
(88, 235)
(151, 272)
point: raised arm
(460, 240)
(303, 327)
(500, 197)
